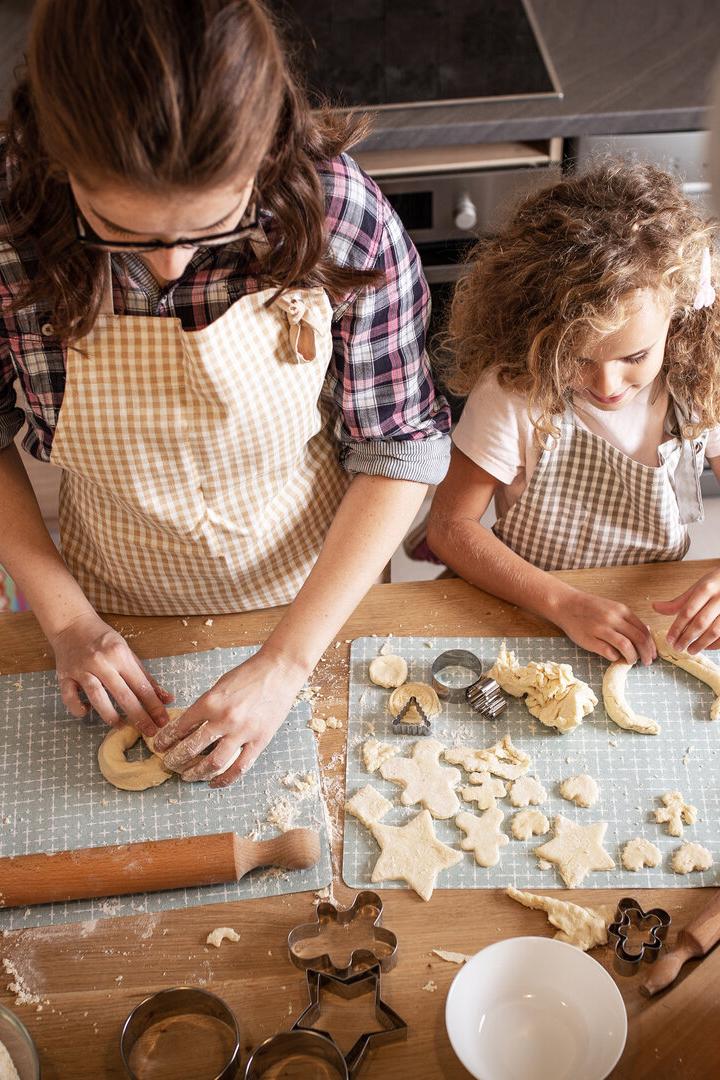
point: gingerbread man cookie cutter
(367, 905)
(629, 914)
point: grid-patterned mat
(632, 770)
(53, 796)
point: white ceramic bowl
(533, 1008)
(16, 1039)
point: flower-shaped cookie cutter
(366, 905)
(629, 914)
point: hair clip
(705, 296)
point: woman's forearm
(29, 555)
(370, 523)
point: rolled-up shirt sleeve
(391, 420)
(12, 418)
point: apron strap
(107, 305)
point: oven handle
(437, 275)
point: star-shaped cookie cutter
(628, 914)
(366, 905)
(393, 1027)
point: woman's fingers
(177, 729)
(98, 697)
(248, 757)
(179, 756)
(220, 758)
(622, 645)
(709, 640)
(70, 694)
(640, 636)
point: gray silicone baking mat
(53, 796)
(632, 770)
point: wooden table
(94, 974)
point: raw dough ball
(220, 934)
(553, 693)
(527, 823)
(484, 837)
(617, 708)
(582, 790)
(638, 853)
(527, 791)
(580, 926)
(690, 857)
(576, 850)
(368, 805)
(388, 671)
(485, 791)
(422, 692)
(374, 753)
(675, 812)
(424, 779)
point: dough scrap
(452, 957)
(129, 775)
(675, 812)
(576, 850)
(552, 692)
(638, 853)
(368, 805)
(527, 791)
(485, 791)
(424, 779)
(220, 934)
(690, 857)
(699, 666)
(484, 837)
(584, 927)
(374, 753)
(616, 705)
(423, 694)
(412, 853)
(503, 759)
(581, 790)
(527, 823)
(388, 671)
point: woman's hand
(91, 656)
(605, 627)
(697, 615)
(240, 713)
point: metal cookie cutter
(629, 914)
(318, 1054)
(401, 728)
(367, 905)
(483, 695)
(392, 1029)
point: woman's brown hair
(559, 276)
(173, 94)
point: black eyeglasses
(86, 235)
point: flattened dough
(616, 706)
(675, 812)
(388, 670)
(552, 692)
(368, 805)
(412, 853)
(638, 853)
(576, 850)
(581, 790)
(690, 857)
(424, 695)
(527, 823)
(485, 792)
(374, 753)
(424, 779)
(527, 791)
(484, 837)
(584, 927)
(699, 666)
(503, 759)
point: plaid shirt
(390, 422)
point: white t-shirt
(495, 431)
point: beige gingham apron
(589, 504)
(200, 471)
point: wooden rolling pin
(150, 866)
(695, 939)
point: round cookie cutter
(175, 1002)
(481, 692)
(311, 1049)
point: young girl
(588, 336)
(218, 326)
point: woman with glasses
(218, 327)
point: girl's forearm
(29, 555)
(370, 523)
(477, 555)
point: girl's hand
(241, 712)
(605, 627)
(697, 615)
(91, 656)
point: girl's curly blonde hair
(559, 276)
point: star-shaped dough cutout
(424, 779)
(576, 850)
(412, 853)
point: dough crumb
(638, 853)
(220, 934)
(581, 789)
(281, 814)
(209, 622)
(333, 722)
(430, 986)
(374, 753)
(690, 857)
(452, 957)
(302, 784)
(317, 724)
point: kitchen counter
(95, 973)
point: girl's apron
(200, 471)
(589, 504)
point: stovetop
(387, 53)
